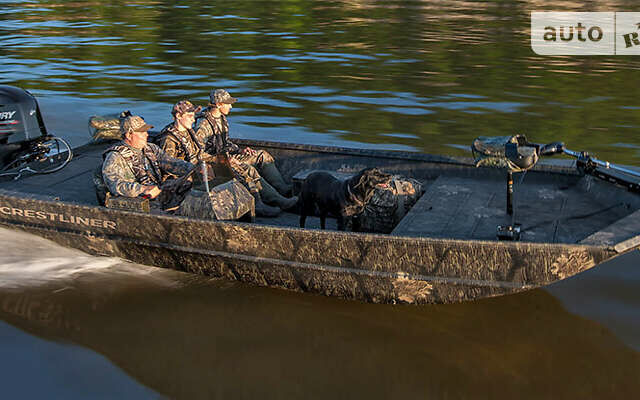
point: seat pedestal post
(510, 193)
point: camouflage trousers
(255, 160)
(247, 166)
(247, 175)
(244, 173)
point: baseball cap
(183, 106)
(221, 96)
(134, 123)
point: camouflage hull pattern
(401, 267)
(354, 266)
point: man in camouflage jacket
(135, 168)
(212, 132)
(180, 141)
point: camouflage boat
(471, 234)
(444, 250)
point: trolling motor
(515, 154)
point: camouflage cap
(134, 123)
(221, 96)
(183, 106)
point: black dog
(322, 194)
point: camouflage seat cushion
(493, 152)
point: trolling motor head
(513, 153)
(20, 118)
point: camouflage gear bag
(113, 127)
(228, 201)
(104, 128)
(389, 205)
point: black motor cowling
(20, 118)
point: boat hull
(367, 267)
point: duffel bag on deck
(389, 205)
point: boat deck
(466, 208)
(459, 203)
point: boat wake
(41, 271)
(31, 261)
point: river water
(414, 75)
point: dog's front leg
(323, 218)
(303, 219)
(341, 224)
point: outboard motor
(20, 120)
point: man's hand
(249, 151)
(152, 191)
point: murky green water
(417, 75)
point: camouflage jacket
(180, 144)
(213, 134)
(126, 170)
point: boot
(263, 210)
(271, 196)
(270, 172)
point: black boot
(270, 172)
(263, 210)
(271, 196)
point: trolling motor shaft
(524, 156)
(510, 193)
(606, 171)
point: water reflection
(607, 294)
(229, 341)
(36, 368)
(186, 336)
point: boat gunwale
(559, 166)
